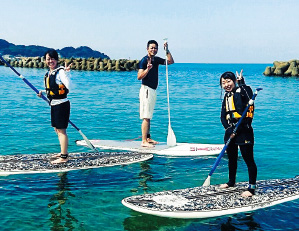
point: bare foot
(56, 156)
(224, 186)
(246, 194)
(59, 161)
(151, 141)
(147, 145)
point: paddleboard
(211, 201)
(181, 149)
(41, 163)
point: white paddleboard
(181, 149)
(211, 201)
(41, 163)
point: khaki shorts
(147, 97)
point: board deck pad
(41, 163)
(181, 149)
(211, 201)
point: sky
(198, 31)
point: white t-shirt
(62, 77)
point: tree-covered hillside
(7, 48)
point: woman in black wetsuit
(236, 98)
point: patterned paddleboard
(41, 163)
(211, 201)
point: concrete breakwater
(288, 68)
(90, 64)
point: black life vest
(54, 90)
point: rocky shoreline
(90, 64)
(287, 68)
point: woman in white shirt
(57, 83)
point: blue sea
(104, 105)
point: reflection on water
(144, 175)
(61, 216)
(246, 222)
(145, 222)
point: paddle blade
(89, 144)
(207, 181)
(171, 139)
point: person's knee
(61, 131)
(146, 120)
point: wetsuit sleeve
(223, 115)
(245, 95)
(241, 82)
(246, 91)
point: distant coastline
(82, 58)
(13, 50)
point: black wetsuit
(244, 137)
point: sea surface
(104, 105)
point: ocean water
(104, 105)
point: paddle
(171, 139)
(44, 98)
(208, 180)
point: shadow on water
(148, 174)
(144, 175)
(139, 221)
(241, 222)
(145, 222)
(60, 213)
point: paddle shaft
(234, 132)
(171, 139)
(44, 98)
(167, 88)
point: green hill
(7, 48)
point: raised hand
(239, 76)
(67, 67)
(166, 46)
(149, 63)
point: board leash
(137, 138)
